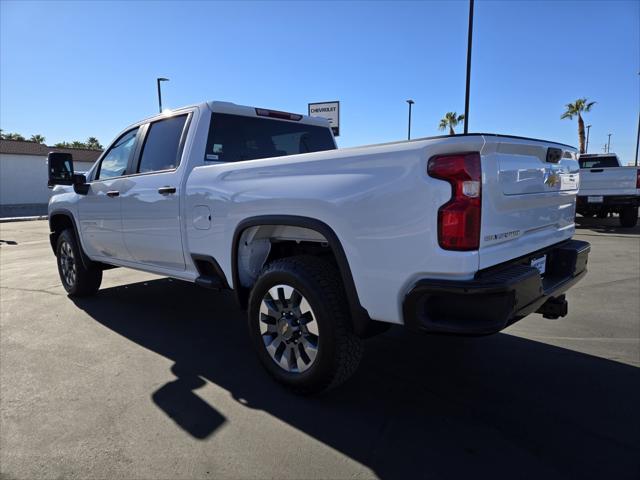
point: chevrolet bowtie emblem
(552, 179)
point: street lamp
(469, 43)
(410, 102)
(586, 148)
(609, 143)
(158, 80)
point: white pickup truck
(607, 187)
(460, 234)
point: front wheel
(299, 323)
(629, 217)
(77, 279)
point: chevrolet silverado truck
(324, 247)
(607, 187)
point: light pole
(158, 80)
(609, 144)
(410, 102)
(469, 43)
(586, 148)
(638, 136)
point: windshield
(233, 138)
(598, 162)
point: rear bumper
(498, 296)
(582, 203)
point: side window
(114, 163)
(160, 150)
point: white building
(23, 175)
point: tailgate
(608, 181)
(528, 197)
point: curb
(23, 219)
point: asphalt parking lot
(154, 378)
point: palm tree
(14, 136)
(93, 143)
(37, 138)
(576, 108)
(78, 144)
(451, 119)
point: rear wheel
(629, 217)
(77, 280)
(299, 324)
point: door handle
(166, 190)
(113, 193)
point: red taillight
(638, 178)
(459, 218)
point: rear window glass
(233, 138)
(598, 162)
(160, 151)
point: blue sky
(69, 70)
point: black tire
(77, 280)
(339, 350)
(629, 217)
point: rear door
(528, 198)
(151, 221)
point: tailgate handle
(597, 170)
(554, 155)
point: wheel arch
(359, 316)
(60, 220)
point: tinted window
(114, 164)
(160, 151)
(233, 138)
(598, 162)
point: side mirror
(60, 169)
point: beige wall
(23, 178)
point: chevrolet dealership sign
(328, 110)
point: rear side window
(114, 163)
(233, 138)
(160, 150)
(598, 162)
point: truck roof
(247, 111)
(234, 109)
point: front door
(151, 201)
(100, 210)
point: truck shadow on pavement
(419, 406)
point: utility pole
(410, 102)
(586, 148)
(638, 135)
(158, 80)
(609, 144)
(469, 44)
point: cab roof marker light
(263, 112)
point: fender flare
(86, 261)
(359, 315)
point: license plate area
(540, 263)
(595, 199)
